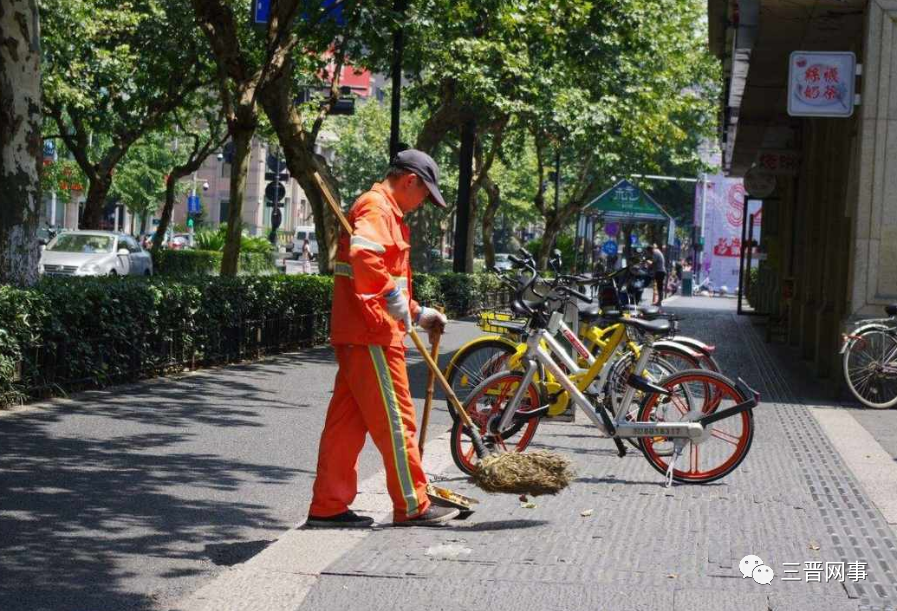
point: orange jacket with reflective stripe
(370, 264)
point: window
(131, 245)
(83, 243)
(222, 211)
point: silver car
(503, 262)
(95, 253)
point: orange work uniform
(371, 393)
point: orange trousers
(370, 396)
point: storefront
(829, 183)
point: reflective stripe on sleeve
(358, 241)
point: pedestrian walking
(659, 267)
(306, 257)
(372, 304)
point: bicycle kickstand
(677, 452)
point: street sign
(821, 83)
(193, 204)
(609, 248)
(612, 229)
(633, 239)
(274, 192)
(626, 202)
(261, 11)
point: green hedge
(69, 333)
(207, 262)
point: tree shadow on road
(78, 513)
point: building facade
(829, 222)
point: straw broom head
(530, 473)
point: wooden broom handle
(428, 400)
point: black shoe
(433, 516)
(347, 519)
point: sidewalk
(643, 546)
(793, 501)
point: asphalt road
(132, 498)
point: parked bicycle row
(624, 366)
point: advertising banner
(722, 210)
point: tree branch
(331, 101)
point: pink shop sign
(821, 84)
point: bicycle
(710, 407)
(486, 355)
(870, 360)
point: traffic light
(190, 222)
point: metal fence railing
(65, 365)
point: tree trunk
(302, 161)
(171, 184)
(241, 136)
(97, 192)
(494, 194)
(326, 225)
(471, 235)
(20, 141)
(553, 226)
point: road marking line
(870, 463)
(281, 576)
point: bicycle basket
(495, 321)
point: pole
(700, 265)
(190, 228)
(465, 176)
(398, 48)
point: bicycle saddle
(589, 313)
(891, 310)
(653, 327)
(649, 311)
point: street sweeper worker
(372, 305)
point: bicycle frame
(536, 353)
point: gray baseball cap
(425, 168)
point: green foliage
(564, 242)
(463, 294)
(207, 262)
(140, 179)
(68, 333)
(209, 240)
(96, 331)
(214, 240)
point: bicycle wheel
(724, 444)
(665, 361)
(870, 367)
(473, 364)
(485, 405)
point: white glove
(397, 305)
(432, 321)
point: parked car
(95, 253)
(502, 261)
(179, 241)
(302, 233)
(45, 234)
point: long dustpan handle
(478, 445)
(428, 400)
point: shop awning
(626, 202)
